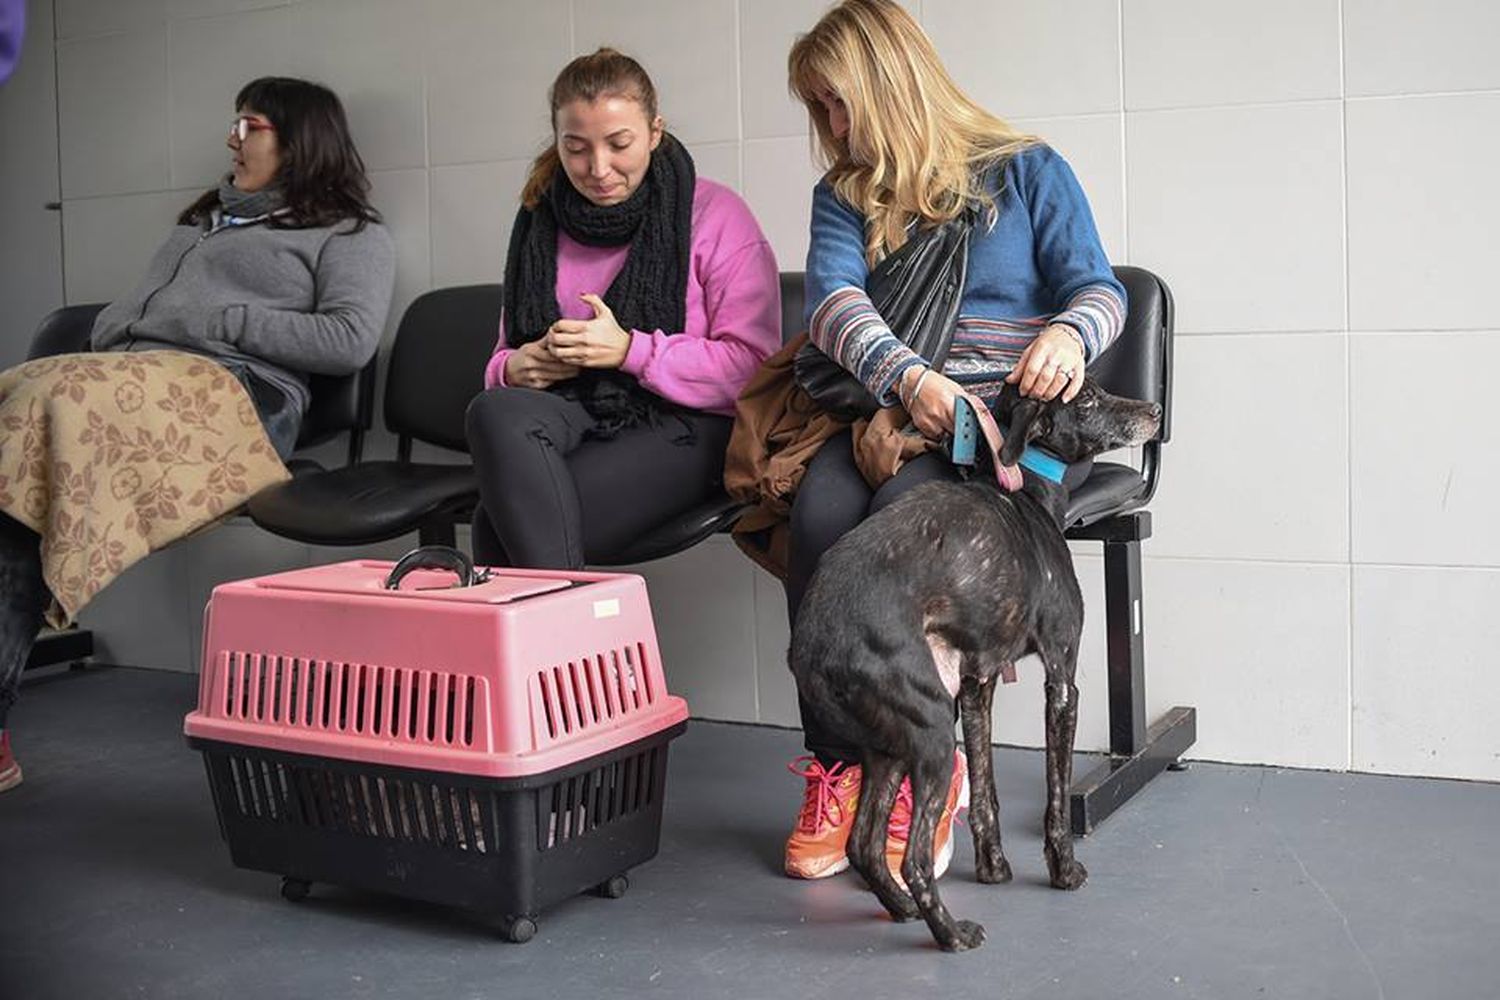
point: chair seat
(683, 531)
(1109, 489)
(363, 504)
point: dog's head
(1094, 422)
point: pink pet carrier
(499, 746)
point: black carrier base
(505, 848)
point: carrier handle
(436, 557)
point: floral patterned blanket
(114, 455)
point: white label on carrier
(607, 609)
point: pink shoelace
(818, 806)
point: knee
(497, 418)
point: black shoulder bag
(916, 290)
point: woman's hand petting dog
(533, 366)
(930, 405)
(1051, 364)
(590, 343)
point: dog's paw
(966, 934)
(1069, 875)
(992, 870)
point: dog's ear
(1025, 424)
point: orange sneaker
(900, 825)
(818, 846)
(10, 770)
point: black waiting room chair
(1109, 508)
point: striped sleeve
(846, 327)
(1097, 312)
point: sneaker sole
(842, 864)
(10, 779)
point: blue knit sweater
(1041, 263)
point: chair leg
(1137, 753)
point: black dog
(927, 601)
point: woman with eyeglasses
(638, 300)
(280, 271)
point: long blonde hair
(604, 72)
(917, 147)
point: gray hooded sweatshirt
(284, 303)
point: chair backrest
(793, 301)
(338, 403)
(64, 331)
(1139, 363)
(437, 364)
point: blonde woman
(906, 148)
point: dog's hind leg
(1061, 721)
(880, 780)
(975, 699)
(930, 776)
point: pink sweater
(733, 306)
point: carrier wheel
(295, 890)
(519, 930)
(1178, 765)
(613, 887)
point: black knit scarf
(649, 293)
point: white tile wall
(767, 30)
(31, 243)
(1258, 464)
(1398, 47)
(1247, 230)
(779, 179)
(112, 113)
(718, 161)
(688, 47)
(1423, 213)
(776, 691)
(401, 198)
(1255, 156)
(473, 209)
(1424, 696)
(1023, 59)
(1260, 648)
(208, 60)
(93, 17)
(1183, 53)
(703, 601)
(489, 66)
(107, 242)
(1424, 474)
(364, 51)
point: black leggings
(552, 498)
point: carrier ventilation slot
(574, 806)
(591, 691)
(416, 706)
(320, 798)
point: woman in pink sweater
(639, 299)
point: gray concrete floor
(1217, 882)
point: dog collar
(1044, 464)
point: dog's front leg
(930, 777)
(1061, 721)
(880, 780)
(975, 699)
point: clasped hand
(568, 346)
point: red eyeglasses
(243, 125)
